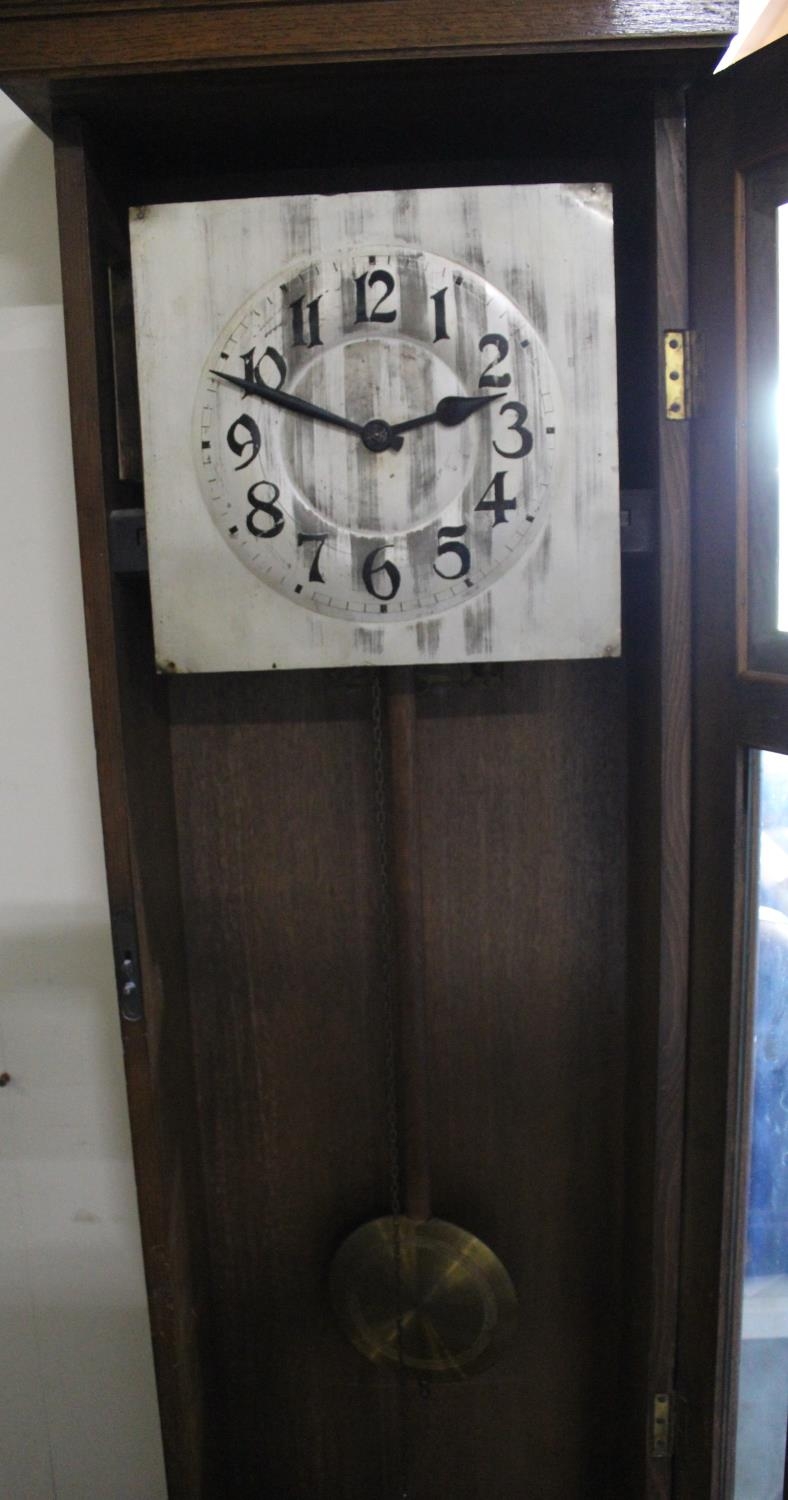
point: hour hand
(450, 412)
(289, 402)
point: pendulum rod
(408, 920)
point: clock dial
(377, 433)
(400, 446)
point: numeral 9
(238, 445)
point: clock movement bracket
(129, 551)
(128, 545)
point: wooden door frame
(675, 662)
(734, 121)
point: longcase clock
(332, 494)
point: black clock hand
(450, 411)
(291, 403)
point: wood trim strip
(719, 823)
(584, 18)
(675, 633)
(128, 39)
(87, 363)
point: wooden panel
(83, 42)
(132, 754)
(675, 631)
(523, 804)
(582, 18)
(522, 789)
(273, 781)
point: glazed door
(733, 1349)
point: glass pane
(782, 413)
(764, 435)
(763, 1365)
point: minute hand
(450, 411)
(291, 403)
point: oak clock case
(392, 437)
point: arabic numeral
(374, 573)
(518, 425)
(374, 278)
(453, 547)
(259, 507)
(438, 300)
(320, 537)
(239, 445)
(501, 345)
(253, 367)
(499, 503)
(313, 313)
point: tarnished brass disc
(457, 1305)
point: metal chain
(388, 957)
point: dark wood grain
(523, 805)
(716, 816)
(81, 42)
(132, 758)
(282, 907)
(591, 18)
(675, 637)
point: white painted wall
(78, 1417)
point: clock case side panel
(131, 732)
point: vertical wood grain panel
(121, 689)
(523, 785)
(273, 778)
(675, 632)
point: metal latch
(677, 351)
(662, 1426)
(127, 965)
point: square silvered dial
(379, 427)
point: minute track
(389, 516)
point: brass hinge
(678, 348)
(661, 1444)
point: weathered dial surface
(325, 515)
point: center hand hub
(377, 436)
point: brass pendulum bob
(410, 1290)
